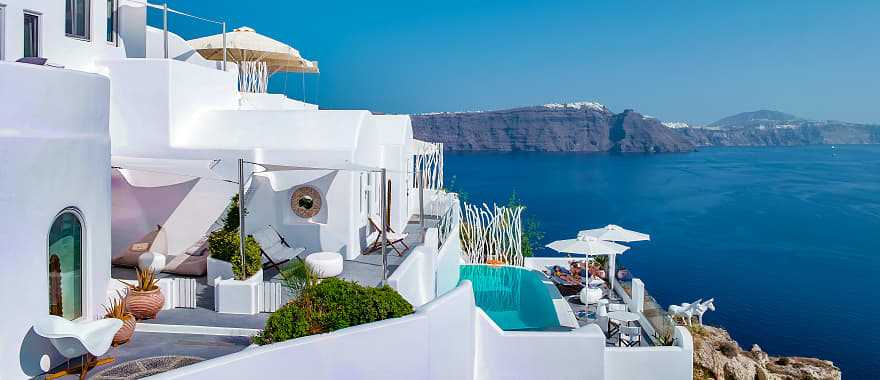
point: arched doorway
(65, 265)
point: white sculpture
(686, 310)
(703, 307)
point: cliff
(591, 127)
(718, 356)
(574, 127)
(773, 128)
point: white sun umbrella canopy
(589, 246)
(613, 232)
(257, 56)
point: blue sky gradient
(695, 61)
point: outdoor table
(623, 316)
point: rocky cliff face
(591, 127)
(718, 356)
(574, 127)
(773, 128)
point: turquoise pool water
(514, 298)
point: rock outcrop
(717, 356)
(573, 127)
(591, 127)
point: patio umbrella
(587, 246)
(613, 232)
(257, 56)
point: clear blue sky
(695, 61)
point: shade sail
(313, 166)
(246, 45)
(613, 232)
(588, 246)
(155, 172)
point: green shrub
(331, 305)
(231, 222)
(288, 322)
(224, 246)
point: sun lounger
(192, 262)
(274, 248)
(567, 287)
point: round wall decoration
(306, 202)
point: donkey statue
(686, 310)
(703, 307)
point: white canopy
(156, 172)
(613, 232)
(588, 246)
(245, 45)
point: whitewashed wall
(539, 354)
(403, 348)
(646, 363)
(73, 53)
(55, 146)
(414, 278)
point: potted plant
(144, 299)
(239, 293)
(117, 310)
(598, 266)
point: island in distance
(592, 127)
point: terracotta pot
(144, 305)
(125, 332)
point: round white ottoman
(154, 261)
(590, 295)
(325, 264)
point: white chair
(274, 248)
(87, 340)
(616, 307)
(630, 336)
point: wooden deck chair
(394, 238)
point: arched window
(65, 265)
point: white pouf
(590, 295)
(325, 264)
(154, 261)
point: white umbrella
(587, 246)
(257, 56)
(613, 232)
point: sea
(784, 238)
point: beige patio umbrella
(257, 56)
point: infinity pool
(515, 298)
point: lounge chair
(85, 339)
(155, 242)
(394, 238)
(566, 285)
(274, 248)
(192, 262)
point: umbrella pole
(382, 204)
(241, 231)
(224, 45)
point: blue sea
(785, 239)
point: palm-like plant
(116, 308)
(601, 262)
(664, 337)
(298, 277)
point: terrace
(190, 335)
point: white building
(173, 130)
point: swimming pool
(515, 298)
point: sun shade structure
(257, 56)
(587, 246)
(613, 232)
